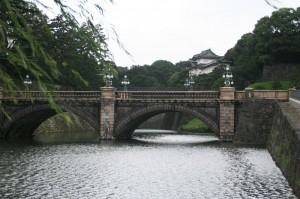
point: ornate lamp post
(27, 82)
(109, 80)
(189, 82)
(228, 77)
(125, 82)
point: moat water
(150, 166)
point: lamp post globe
(27, 81)
(189, 82)
(125, 82)
(109, 78)
(192, 82)
(228, 77)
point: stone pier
(107, 112)
(226, 116)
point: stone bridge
(116, 114)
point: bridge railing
(57, 95)
(271, 94)
(167, 95)
(240, 95)
(263, 94)
(148, 95)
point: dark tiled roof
(208, 54)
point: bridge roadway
(116, 114)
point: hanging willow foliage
(271, 3)
(22, 52)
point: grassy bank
(195, 125)
(273, 85)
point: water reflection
(175, 139)
(67, 137)
(154, 166)
(172, 137)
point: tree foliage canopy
(79, 57)
(160, 74)
(59, 52)
(275, 39)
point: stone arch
(24, 121)
(126, 125)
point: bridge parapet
(271, 94)
(57, 95)
(151, 95)
(167, 95)
(240, 95)
(283, 95)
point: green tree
(20, 46)
(274, 40)
(141, 76)
(156, 75)
(277, 37)
(178, 79)
(162, 70)
(211, 81)
(77, 58)
(247, 68)
(183, 64)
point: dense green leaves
(79, 57)
(63, 52)
(178, 78)
(275, 39)
(20, 48)
(211, 81)
(162, 70)
(159, 74)
(278, 36)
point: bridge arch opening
(25, 121)
(58, 126)
(130, 121)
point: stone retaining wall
(254, 122)
(284, 145)
(279, 71)
(276, 125)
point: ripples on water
(153, 166)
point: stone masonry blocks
(227, 113)
(107, 112)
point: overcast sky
(175, 30)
